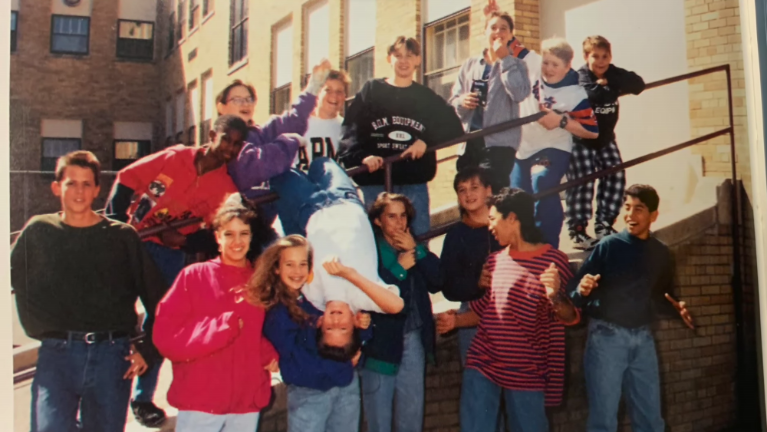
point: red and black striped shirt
(520, 342)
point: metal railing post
(387, 177)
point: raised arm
(258, 163)
(388, 300)
(515, 78)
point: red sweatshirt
(218, 367)
(169, 189)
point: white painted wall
(649, 38)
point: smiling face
(503, 229)
(638, 217)
(77, 189)
(599, 60)
(294, 267)
(238, 102)
(473, 195)
(553, 68)
(498, 28)
(233, 241)
(332, 98)
(404, 62)
(226, 145)
(337, 324)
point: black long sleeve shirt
(81, 279)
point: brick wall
(697, 367)
(713, 38)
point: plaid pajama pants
(585, 161)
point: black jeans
(498, 161)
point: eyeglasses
(242, 101)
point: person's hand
(362, 320)
(500, 48)
(302, 142)
(446, 321)
(172, 238)
(404, 241)
(374, 163)
(492, 6)
(485, 278)
(550, 280)
(551, 120)
(588, 283)
(323, 66)
(602, 81)
(138, 364)
(273, 366)
(356, 358)
(318, 77)
(681, 307)
(415, 151)
(469, 100)
(334, 268)
(407, 259)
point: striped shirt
(520, 343)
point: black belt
(87, 337)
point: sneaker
(581, 240)
(603, 230)
(147, 414)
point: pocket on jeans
(600, 329)
(371, 382)
(57, 345)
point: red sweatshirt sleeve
(179, 334)
(268, 353)
(139, 174)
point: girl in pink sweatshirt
(221, 361)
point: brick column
(526, 14)
(394, 18)
(713, 38)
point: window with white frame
(238, 34)
(132, 141)
(70, 34)
(180, 117)
(207, 7)
(169, 119)
(194, 106)
(447, 46)
(208, 104)
(360, 41)
(317, 36)
(283, 68)
(59, 137)
(181, 24)
(194, 14)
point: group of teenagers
(339, 302)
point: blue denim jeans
(73, 374)
(465, 335)
(621, 359)
(402, 393)
(169, 261)
(196, 421)
(335, 410)
(302, 194)
(481, 400)
(538, 173)
(418, 195)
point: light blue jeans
(418, 195)
(196, 421)
(481, 399)
(403, 393)
(335, 410)
(622, 359)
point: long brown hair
(266, 289)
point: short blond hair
(558, 47)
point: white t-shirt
(344, 231)
(323, 136)
(566, 96)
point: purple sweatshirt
(267, 152)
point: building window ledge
(207, 17)
(192, 31)
(237, 66)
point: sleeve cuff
(398, 271)
(420, 252)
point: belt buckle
(90, 338)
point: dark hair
(411, 45)
(644, 193)
(504, 16)
(522, 204)
(341, 354)
(81, 158)
(228, 122)
(467, 174)
(230, 210)
(383, 200)
(224, 95)
(593, 42)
